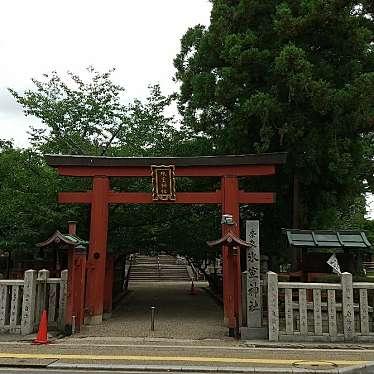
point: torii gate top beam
(203, 166)
(241, 165)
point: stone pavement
(178, 314)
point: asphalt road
(51, 371)
(75, 354)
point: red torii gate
(228, 168)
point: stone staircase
(160, 268)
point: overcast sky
(139, 38)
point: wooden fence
(320, 311)
(22, 301)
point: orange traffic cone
(192, 291)
(42, 337)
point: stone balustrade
(320, 311)
(22, 301)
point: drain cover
(321, 365)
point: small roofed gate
(163, 171)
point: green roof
(345, 239)
(59, 238)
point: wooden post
(108, 293)
(79, 289)
(231, 263)
(75, 288)
(72, 283)
(97, 251)
(69, 292)
(28, 302)
(348, 310)
(72, 227)
(273, 310)
(227, 297)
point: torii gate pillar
(97, 251)
(231, 262)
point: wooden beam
(180, 171)
(75, 197)
(256, 197)
(277, 158)
(182, 198)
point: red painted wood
(75, 197)
(97, 250)
(108, 287)
(180, 171)
(70, 296)
(182, 198)
(256, 197)
(76, 288)
(231, 264)
(72, 228)
(79, 288)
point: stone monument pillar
(254, 329)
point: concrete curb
(306, 345)
(361, 369)
(224, 342)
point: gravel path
(178, 314)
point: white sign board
(333, 262)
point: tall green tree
(29, 211)
(285, 75)
(89, 117)
(78, 116)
